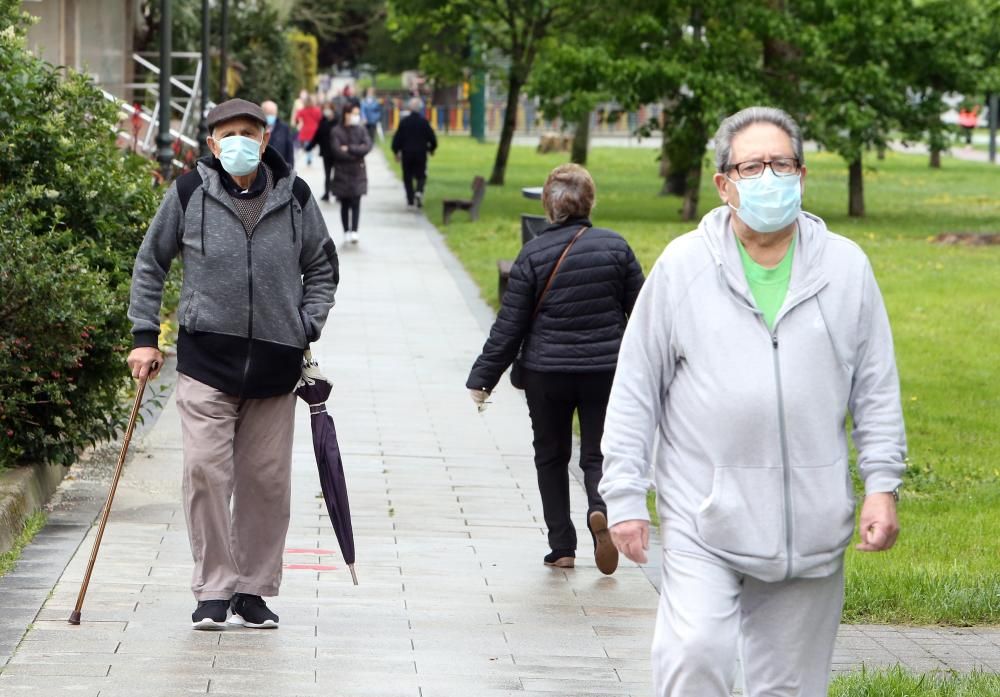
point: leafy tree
(510, 33)
(342, 27)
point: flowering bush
(73, 210)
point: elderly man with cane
(260, 273)
(753, 339)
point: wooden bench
(531, 227)
(472, 205)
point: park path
(453, 598)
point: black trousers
(552, 400)
(328, 172)
(350, 211)
(414, 171)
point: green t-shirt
(768, 286)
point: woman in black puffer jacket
(568, 350)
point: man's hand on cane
(145, 361)
(631, 537)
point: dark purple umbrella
(315, 389)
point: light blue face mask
(769, 203)
(239, 155)
(271, 119)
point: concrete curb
(24, 491)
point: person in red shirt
(306, 120)
(968, 119)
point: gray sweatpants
(787, 628)
(237, 488)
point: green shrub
(304, 54)
(73, 210)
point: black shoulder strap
(301, 191)
(186, 185)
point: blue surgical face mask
(240, 155)
(271, 119)
(769, 203)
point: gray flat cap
(234, 108)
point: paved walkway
(453, 601)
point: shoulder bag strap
(555, 269)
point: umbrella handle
(74, 617)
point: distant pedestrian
(322, 138)
(571, 291)
(259, 276)
(345, 101)
(413, 141)
(371, 112)
(754, 338)
(350, 179)
(968, 119)
(281, 138)
(307, 121)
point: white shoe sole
(208, 624)
(238, 621)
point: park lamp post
(205, 65)
(164, 152)
(223, 52)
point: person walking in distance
(561, 319)
(260, 274)
(413, 141)
(371, 113)
(307, 121)
(754, 337)
(280, 136)
(350, 179)
(323, 139)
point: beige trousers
(784, 631)
(237, 488)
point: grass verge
(942, 301)
(896, 682)
(34, 523)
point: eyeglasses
(752, 169)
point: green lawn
(944, 303)
(34, 523)
(898, 683)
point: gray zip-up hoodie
(250, 303)
(749, 423)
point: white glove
(479, 399)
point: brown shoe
(605, 552)
(560, 558)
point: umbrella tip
(353, 574)
(74, 617)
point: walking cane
(74, 617)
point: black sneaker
(210, 614)
(251, 611)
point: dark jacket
(283, 140)
(249, 303)
(581, 321)
(322, 139)
(414, 136)
(349, 176)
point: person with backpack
(260, 274)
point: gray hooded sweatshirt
(748, 423)
(250, 301)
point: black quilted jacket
(580, 325)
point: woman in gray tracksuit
(745, 413)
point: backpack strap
(186, 185)
(301, 191)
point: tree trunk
(856, 190)
(689, 211)
(935, 158)
(581, 141)
(674, 179)
(514, 85)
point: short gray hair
(568, 193)
(415, 104)
(733, 125)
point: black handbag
(516, 374)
